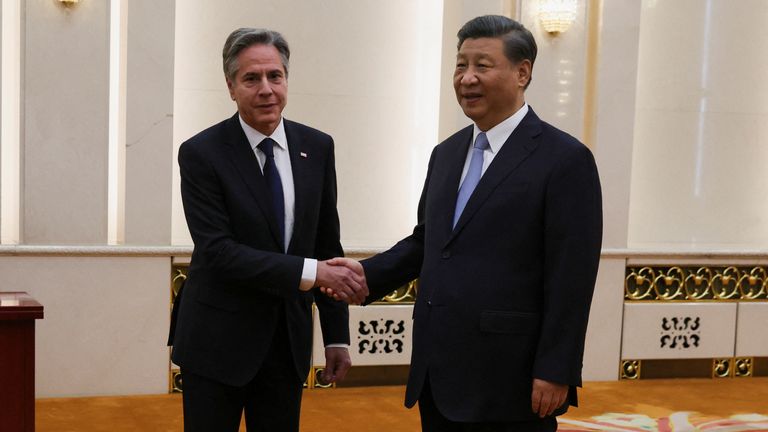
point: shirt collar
(255, 137)
(499, 134)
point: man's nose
(468, 77)
(265, 89)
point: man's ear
(524, 72)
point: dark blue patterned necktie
(275, 185)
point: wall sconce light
(556, 16)
(69, 2)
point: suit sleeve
(573, 236)
(400, 264)
(334, 315)
(209, 224)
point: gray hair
(519, 43)
(245, 37)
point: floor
(380, 409)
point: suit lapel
(297, 146)
(514, 151)
(246, 163)
(457, 155)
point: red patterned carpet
(676, 422)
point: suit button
(446, 254)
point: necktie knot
(267, 147)
(481, 142)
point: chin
(267, 119)
(472, 114)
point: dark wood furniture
(18, 312)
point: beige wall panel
(65, 131)
(615, 113)
(149, 122)
(105, 325)
(751, 339)
(380, 335)
(700, 132)
(678, 330)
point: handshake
(342, 279)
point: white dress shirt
(497, 136)
(283, 164)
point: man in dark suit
(259, 195)
(506, 250)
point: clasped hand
(343, 279)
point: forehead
(260, 57)
(485, 47)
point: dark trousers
(271, 401)
(432, 420)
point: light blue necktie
(472, 178)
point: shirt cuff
(337, 346)
(308, 274)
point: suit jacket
(239, 277)
(504, 296)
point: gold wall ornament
(701, 283)
(405, 294)
(752, 285)
(725, 285)
(318, 379)
(638, 285)
(630, 369)
(175, 381)
(721, 368)
(743, 367)
(698, 284)
(669, 284)
(178, 276)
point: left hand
(337, 363)
(547, 396)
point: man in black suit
(259, 195)
(506, 250)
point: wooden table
(18, 312)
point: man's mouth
(471, 97)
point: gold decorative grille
(678, 283)
(405, 294)
(630, 369)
